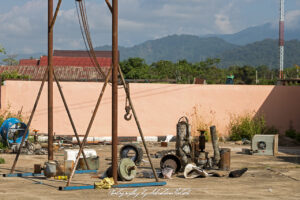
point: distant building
(69, 65)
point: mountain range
(253, 46)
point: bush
(3, 145)
(298, 137)
(291, 133)
(2, 161)
(246, 126)
(199, 121)
(5, 114)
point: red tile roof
(28, 62)
(68, 65)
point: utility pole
(115, 72)
(50, 80)
(281, 39)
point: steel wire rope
(83, 22)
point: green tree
(135, 68)
(11, 60)
(163, 70)
(2, 50)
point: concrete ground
(268, 177)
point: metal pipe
(90, 125)
(109, 5)
(55, 14)
(214, 139)
(115, 60)
(29, 121)
(137, 122)
(70, 117)
(134, 114)
(50, 81)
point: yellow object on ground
(61, 177)
(106, 183)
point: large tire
(137, 158)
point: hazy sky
(24, 22)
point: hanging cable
(84, 27)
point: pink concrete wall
(159, 106)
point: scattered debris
(183, 141)
(127, 169)
(93, 163)
(240, 142)
(132, 151)
(237, 173)
(225, 159)
(214, 139)
(167, 172)
(105, 183)
(247, 151)
(245, 141)
(160, 154)
(170, 161)
(164, 144)
(192, 171)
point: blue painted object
(42, 174)
(162, 183)
(22, 175)
(81, 187)
(89, 187)
(12, 125)
(85, 171)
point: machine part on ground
(160, 154)
(128, 149)
(265, 145)
(192, 171)
(167, 172)
(127, 169)
(37, 168)
(183, 141)
(202, 141)
(35, 137)
(224, 163)
(202, 159)
(171, 161)
(237, 173)
(68, 166)
(50, 169)
(164, 144)
(93, 163)
(12, 131)
(215, 143)
(209, 163)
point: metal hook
(127, 115)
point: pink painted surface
(159, 106)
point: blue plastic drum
(12, 130)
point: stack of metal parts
(191, 156)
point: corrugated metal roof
(75, 61)
(71, 53)
(64, 73)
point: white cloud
(223, 23)
(293, 19)
(24, 27)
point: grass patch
(247, 125)
(2, 161)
